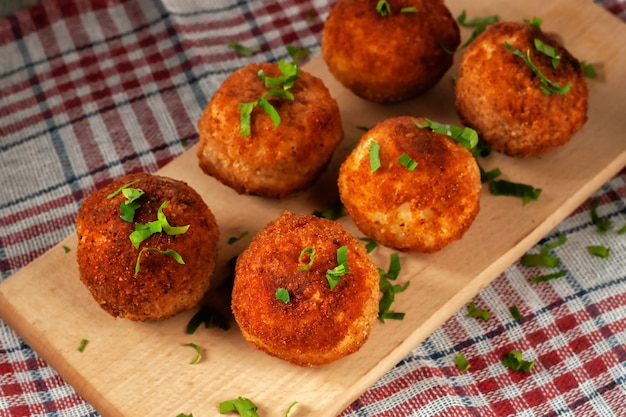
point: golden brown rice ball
(389, 58)
(318, 324)
(271, 162)
(107, 259)
(419, 210)
(501, 97)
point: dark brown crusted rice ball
(500, 96)
(107, 259)
(393, 57)
(419, 210)
(273, 161)
(318, 325)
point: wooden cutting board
(141, 369)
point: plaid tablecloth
(141, 72)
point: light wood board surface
(141, 369)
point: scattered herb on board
(332, 211)
(82, 345)
(536, 21)
(282, 295)
(235, 239)
(242, 50)
(599, 251)
(515, 313)
(479, 24)
(547, 277)
(277, 88)
(374, 154)
(198, 350)
(466, 136)
(66, 249)
(589, 70)
(209, 316)
(289, 408)
(474, 311)
(241, 405)
(334, 275)
(370, 244)
(389, 289)
(185, 415)
(548, 87)
(514, 361)
(461, 364)
(602, 224)
(526, 192)
(310, 252)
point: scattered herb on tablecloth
(461, 364)
(242, 50)
(82, 345)
(474, 311)
(198, 350)
(515, 313)
(514, 361)
(297, 52)
(241, 405)
(622, 230)
(310, 15)
(547, 277)
(544, 259)
(389, 289)
(599, 251)
(603, 224)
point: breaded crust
(421, 210)
(272, 162)
(498, 94)
(318, 325)
(389, 58)
(106, 257)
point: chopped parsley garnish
(479, 24)
(412, 9)
(66, 249)
(515, 312)
(298, 53)
(588, 70)
(524, 191)
(277, 88)
(310, 15)
(185, 415)
(81, 346)
(289, 408)
(383, 8)
(282, 295)
(334, 275)
(603, 225)
(407, 162)
(466, 136)
(235, 239)
(333, 210)
(622, 230)
(543, 258)
(547, 277)
(311, 254)
(169, 252)
(144, 231)
(548, 87)
(514, 361)
(536, 22)
(461, 364)
(548, 51)
(374, 153)
(241, 405)
(599, 251)
(242, 50)
(129, 206)
(198, 350)
(208, 316)
(389, 289)
(474, 311)
(119, 190)
(370, 244)
(486, 176)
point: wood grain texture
(141, 369)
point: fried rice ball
(107, 259)
(318, 325)
(393, 57)
(419, 210)
(500, 96)
(273, 161)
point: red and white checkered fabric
(94, 89)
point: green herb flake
(412, 9)
(548, 51)
(198, 356)
(514, 361)
(170, 252)
(548, 87)
(185, 415)
(507, 188)
(486, 176)
(622, 230)
(235, 239)
(599, 251)
(389, 289)
(479, 24)
(374, 153)
(82, 345)
(474, 311)
(119, 190)
(66, 249)
(334, 275)
(383, 8)
(547, 277)
(241, 405)
(209, 316)
(589, 70)
(515, 313)
(466, 136)
(310, 15)
(242, 50)
(602, 224)
(332, 211)
(165, 226)
(289, 408)
(536, 21)
(461, 364)
(282, 295)
(370, 244)
(303, 254)
(407, 162)
(297, 52)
